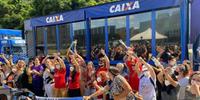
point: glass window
(30, 43)
(79, 35)
(40, 41)
(140, 31)
(97, 37)
(51, 39)
(19, 49)
(6, 50)
(116, 31)
(64, 38)
(168, 30)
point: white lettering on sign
(124, 7)
(53, 19)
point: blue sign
(106, 10)
(11, 32)
(195, 29)
(129, 6)
(60, 18)
(124, 7)
(53, 19)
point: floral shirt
(116, 88)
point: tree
(14, 12)
(45, 7)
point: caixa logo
(124, 7)
(53, 19)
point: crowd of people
(140, 76)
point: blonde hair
(120, 66)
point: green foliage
(14, 12)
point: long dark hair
(73, 74)
(37, 57)
(142, 52)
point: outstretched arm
(169, 78)
(44, 60)
(77, 66)
(69, 51)
(106, 59)
(150, 68)
(97, 93)
(60, 61)
(11, 60)
(76, 53)
(6, 60)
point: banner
(59, 18)
(129, 6)
(107, 10)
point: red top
(76, 83)
(102, 72)
(103, 68)
(59, 78)
(133, 77)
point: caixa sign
(125, 7)
(53, 19)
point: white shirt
(183, 83)
(146, 88)
(45, 76)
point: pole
(189, 20)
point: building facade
(159, 23)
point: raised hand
(103, 51)
(47, 56)
(157, 63)
(75, 42)
(11, 56)
(196, 87)
(2, 55)
(123, 44)
(86, 97)
(160, 50)
(142, 60)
